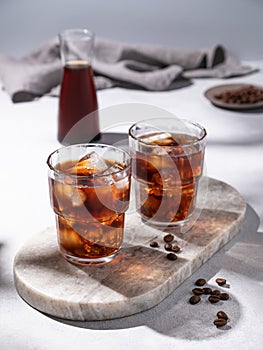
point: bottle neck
(76, 45)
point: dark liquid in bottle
(77, 99)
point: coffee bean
(198, 291)
(194, 299)
(168, 238)
(216, 292)
(207, 290)
(154, 244)
(168, 246)
(220, 322)
(222, 314)
(213, 299)
(245, 94)
(200, 282)
(224, 296)
(220, 281)
(176, 248)
(171, 256)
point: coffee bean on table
(220, 322)
(198, 291)
(222, 314)
(207, 290)
(168, 238)
(168, 246)
(221, 281)
(213, 299)
(200, 282)
(171, 256)
(154, 244)
(224, 296)
(194, 299)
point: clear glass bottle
(78, 120)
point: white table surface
(234, 154)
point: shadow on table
(243, 111)
(3, 283)
(1, 258)
(252, 110)
(255, 141)
(6, 281)
(174, 316)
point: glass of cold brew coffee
(167, 163)
(89, 191)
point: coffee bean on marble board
(198, 291)
(224, 296)
(215, 292)
(200, 282)
(222, 314)
(194, 299)
(221, 281)
(220, 322)
(176, 248)
(171, 256)
(213, 299)
(207, 290)
(168, 246)
(154, 244)
(168, 238)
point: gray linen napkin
(149, 67)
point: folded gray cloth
(117, 64)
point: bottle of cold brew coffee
(78, 120)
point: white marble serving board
(138, 278)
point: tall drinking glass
(89, 191)
(167, 157)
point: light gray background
(237, 24)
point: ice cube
(112, 174)
(66, 194)
(160, 151)
(155, 138)
(78, 197)
(89, 164)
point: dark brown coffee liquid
(77, 99)
(90, 210)
(166, 177)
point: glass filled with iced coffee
(89, 192)
(167, 163)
